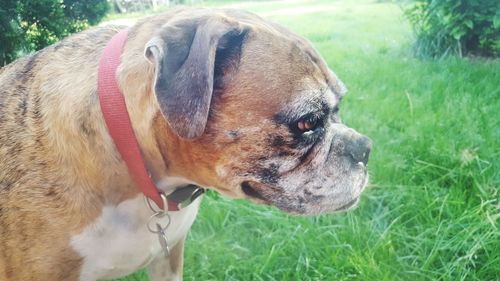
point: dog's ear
(188, 55)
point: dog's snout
(359, 149)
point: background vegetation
(432, 209)
(30, 25)
(458, 27)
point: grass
(433, 207)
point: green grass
(433, 207)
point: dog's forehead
(288, 47)
(313, 95)
(303, 46)
(294, 75)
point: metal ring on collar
(157, 209)
(155, 216)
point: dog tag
(162, 238)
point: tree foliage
(30, 25)
(457, 27)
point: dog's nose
(359, 149)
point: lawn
(432, 209)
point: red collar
(117, 120)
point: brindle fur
(59, 167)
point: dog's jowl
(216, 99)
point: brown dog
(218, 98)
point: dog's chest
(118, 242)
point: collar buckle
(184, 196)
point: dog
(217, 99)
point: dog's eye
(307, 125)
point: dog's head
(251, 110)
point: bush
(10, 33)
(455, 27)
(30, 25)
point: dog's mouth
(251, 192)
(269, 195)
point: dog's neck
(85, 153)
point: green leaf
(496, 20)
(457, 33)
(469, 24)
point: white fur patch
(118, 242)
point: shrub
(11, 35)
(30, 25)
(455, 27)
